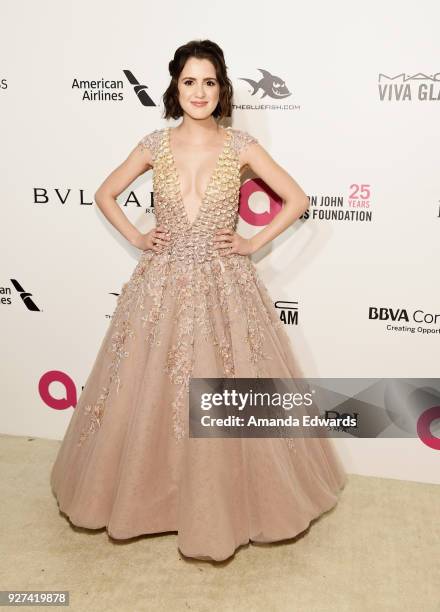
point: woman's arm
(138, 161)
(295, 199)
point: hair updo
(201, 49)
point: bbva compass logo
(401, 320)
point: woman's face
(198, 84)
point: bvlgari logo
(407, 87)
(65, 196)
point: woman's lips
(199, 103)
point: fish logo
(271, 85)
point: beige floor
(378, 549)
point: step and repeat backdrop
(347, 101)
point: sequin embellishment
(188, 291)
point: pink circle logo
(273, 203)
(69, 399)
(424, 427)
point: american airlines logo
(140, 89)
(112, 90)
(25, 296)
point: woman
(194, 306)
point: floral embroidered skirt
(127, 462)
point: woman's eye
(189, 82)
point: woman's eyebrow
(195, 79)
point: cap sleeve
(151, 142)
(242, 140)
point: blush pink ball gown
(126, 461)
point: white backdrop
(360, 120)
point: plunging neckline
(211, 177)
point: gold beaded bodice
(192, 241)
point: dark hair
(201, 49)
